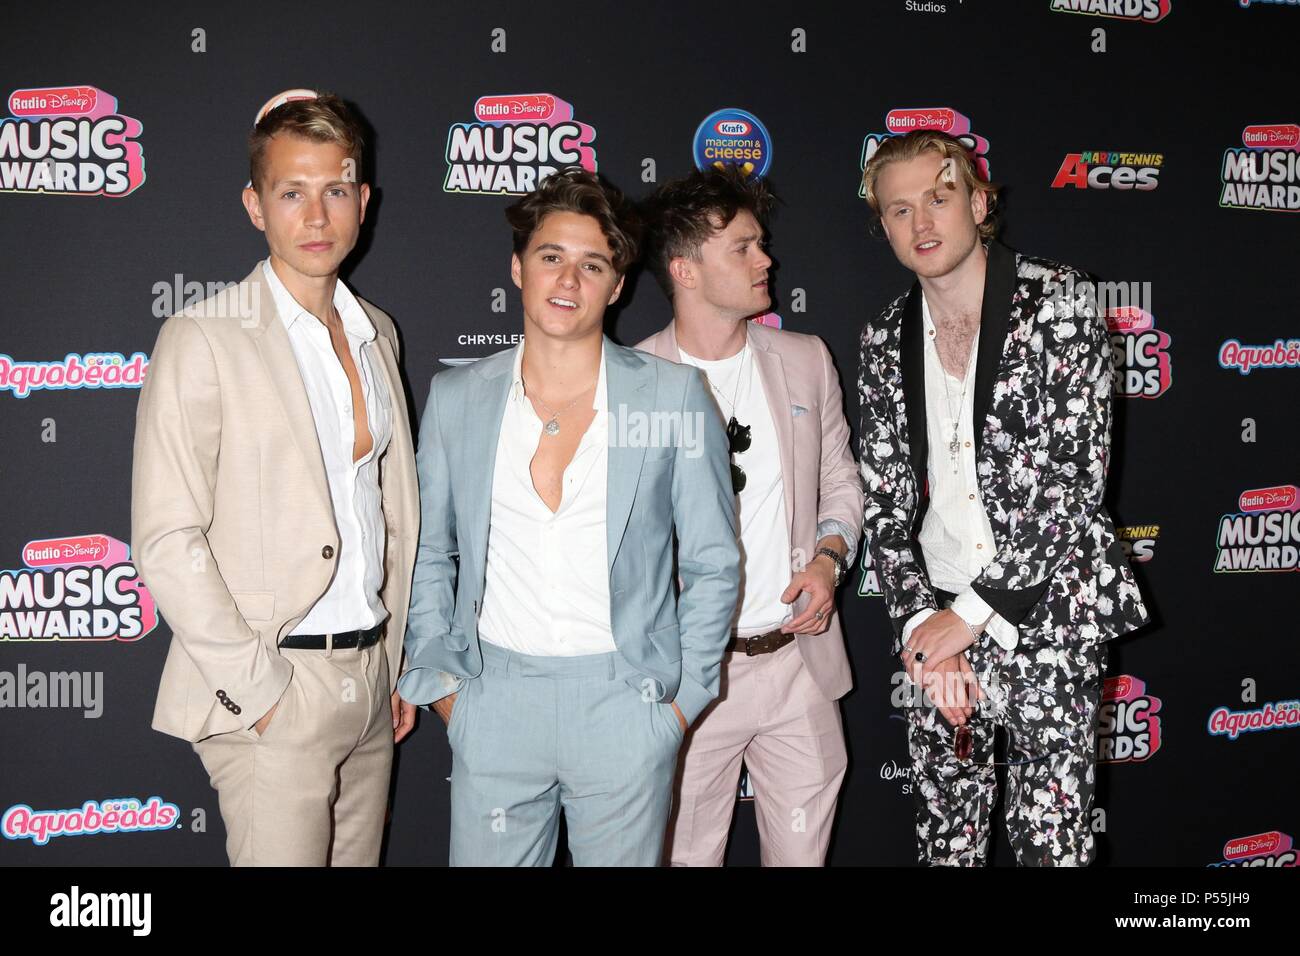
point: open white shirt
(547, 586)
(956, 538)
(352, 600)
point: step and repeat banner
(1154, 143)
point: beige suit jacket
(817, 468)
(232, 527)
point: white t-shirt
(737, 389)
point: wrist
(836, 560)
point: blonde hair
(325, 119)
(911, 145)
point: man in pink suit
(799, 501)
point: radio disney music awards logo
(733, 137)
(69, 140)
(1128, 730)
(1140, 353)
(1274, 848)
(118, 815)
(1226, 722)
(84, 370)
(514, 143)
(1138, 541)
(1264, 172)
(1263, 535)
(1107, 169)
(905, 119)
(81, 588)
(1144, 11)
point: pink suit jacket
(820, 476)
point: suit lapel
(995, 319)
(629, 381)
(912, 362)
(281, 366)
(484, 408)
(771, 371)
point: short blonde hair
(911, 145)
(325, 119)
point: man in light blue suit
(548, 623)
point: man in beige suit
(274, 515)
(800, 507)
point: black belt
(342, 640)
(760, 643)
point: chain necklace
(735, 392)
(954, 444)
(552, 426)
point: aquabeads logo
(1263, 535)
(82, 588)
(900, 121)
(1264, 172)
(514, 143)
(69, 140)
(120, 815)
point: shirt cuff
(830, 526)
(427, 685)
(915, 621)
(974, 610)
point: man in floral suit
(986, 399)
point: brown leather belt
(759, 643)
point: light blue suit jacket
(656, 487)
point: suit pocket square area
(797, 410)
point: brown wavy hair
(683, 214)
(576, 190)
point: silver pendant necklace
(954, 444)
(552, 426)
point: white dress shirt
(352, 600)
(547, 586)
(956, 538)
(764, 532)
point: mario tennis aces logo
(1128, 730)
(515, 143)
(1263, 173)
(1147, 11)
(1264, 535)
(70, 140)
(900, 121)
(1103, 169)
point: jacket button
(327, 552)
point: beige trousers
(312, 790)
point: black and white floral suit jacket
(1043, 396)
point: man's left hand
(818, 580)
(938, 637)
(403, 718)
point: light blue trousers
(533, 735)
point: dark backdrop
(78, 275)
